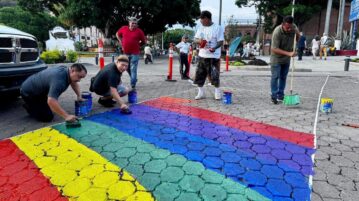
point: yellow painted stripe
(79, 172)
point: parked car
(19, 58)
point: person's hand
(292, 54)
(211, 49)
(71, 118)
(123, 106)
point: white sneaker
(217, 94)
(192, 83)
(200, 94)
(209, 84)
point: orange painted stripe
(20, 179)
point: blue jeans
(132, 68)
(278, 80)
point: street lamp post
(220, 12)
(293, 8)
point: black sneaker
(106, 103)
(280, 99)
(274, 101)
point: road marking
(78, 172)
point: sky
(228, 8)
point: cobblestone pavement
(154, 167)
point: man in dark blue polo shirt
(42, 90)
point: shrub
(51, 57)
(237, 63)
(71, 56)
(78, 46)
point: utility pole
(327, 17)
(162, 41)
(220, 12)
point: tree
(37, 24)
(108, 16)
(232, 30)
(273, 11)
(175, 36)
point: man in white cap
(184, 47)
(132, 38)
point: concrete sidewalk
(332, 64)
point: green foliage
(277, 9)
(78, 46)
(237, 63)
(347, 43)
(51, 57)
(247, 38)
(71, 56)
(175, 36)
(36, 24)
(109, 16)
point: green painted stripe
(169, 176)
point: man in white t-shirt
(315, 46)
(210, 38)
(183, 47)
(148, 53)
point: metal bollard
(113, 58)
(346, 65)
(96, 60)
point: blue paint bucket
(132, 97)
(227, 97)
(88, 98)
(81, 108)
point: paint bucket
(81, 108)
(132, 97)
(326, 105)
(227, 97)
(88, 98)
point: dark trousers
(38, 108)
(278, 80)
(184, 61)
(207, 67)
(300, 52)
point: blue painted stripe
(251, 172)
(288, 154)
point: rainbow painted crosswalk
(166, 150)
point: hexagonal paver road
(166, 150)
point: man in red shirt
(132, 38)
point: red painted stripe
(20, 179)
(300, 138)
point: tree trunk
(327, 17)
(341, 17)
